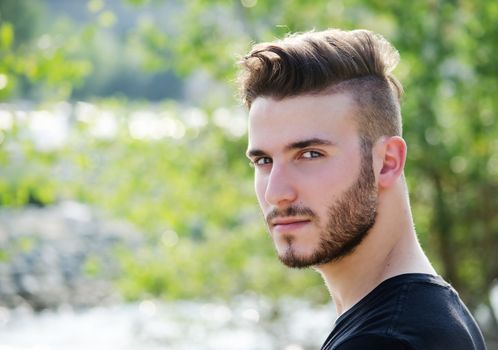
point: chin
(296, 258)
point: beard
(349, 220)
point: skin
(308, 157)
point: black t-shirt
(407, 312)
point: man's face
(315, 185)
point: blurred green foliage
(192, 195)
(31, 57)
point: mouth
(288, 224)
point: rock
(59, 255)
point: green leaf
(6, 35)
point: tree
(447, 67)
(447, 50)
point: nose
(280, 188)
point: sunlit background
(127, 214)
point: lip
(288, 224)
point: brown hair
(359, 62)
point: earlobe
(393, 160)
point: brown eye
(311, 154)
(262, 161)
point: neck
(391, 248)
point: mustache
(289, 211)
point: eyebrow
(307, 143)
(293, 146)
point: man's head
(358, 62)
(318, 103)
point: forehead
(273, 122)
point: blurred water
(246, 323)
(50, 128)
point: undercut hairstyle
(357, 62)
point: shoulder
(413, 311)
(373, 342)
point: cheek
(323, 189)
(260, 189)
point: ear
(391, 153)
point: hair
(357, 62)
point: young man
(325, 141)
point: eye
(261, 161)
(311, 154)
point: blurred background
(127, 214)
